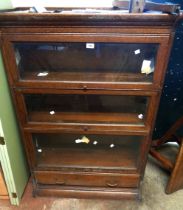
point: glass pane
(89, 151)
(108, 62)
(86, 108)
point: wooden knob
(85, 128)
(84, 87)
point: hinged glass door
(87, 61)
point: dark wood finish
(88, 192)
(51, 159)
(167, 164)
(175, 168)
(125, 82)
(77, 117)
(70, 171)
(87, 128)
(176, 179)
(87, 179)
(170, 134)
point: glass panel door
(86, 62)
(87, 151)
(81, 108)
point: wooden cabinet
(86, 90)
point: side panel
(12, 155)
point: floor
(153, 196)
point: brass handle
(112, 184)
(60, 183)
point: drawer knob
(84, 87)
(85, 128)
(109, 184)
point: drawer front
(87, 179)
(80, 61)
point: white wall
(63, 3)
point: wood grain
(124, 167)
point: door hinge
(2, 142)
(14, 195)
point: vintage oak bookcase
(86, 88)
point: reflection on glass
(110, 62)
(86, 108)
(111, 151)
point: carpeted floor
(153, 197)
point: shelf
(79, 77)
(73, 117)
(57, 150)
(88, 158)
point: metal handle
(109, 184)
(60, 183)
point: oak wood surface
(28, 19)
(87, 179)
(91, 77)
(88, 192)
(85, 117)
(167, 164)
(88, 158)
(71, 163)
(173, 166)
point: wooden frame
(18, 93)
(175, 168)
(117, 28)
(162, 40)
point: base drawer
(87, 179)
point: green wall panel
(11, 134)
(5, 4)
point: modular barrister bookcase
(86, 89)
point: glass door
(92, 151)
(86, 108)
(86, 62)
